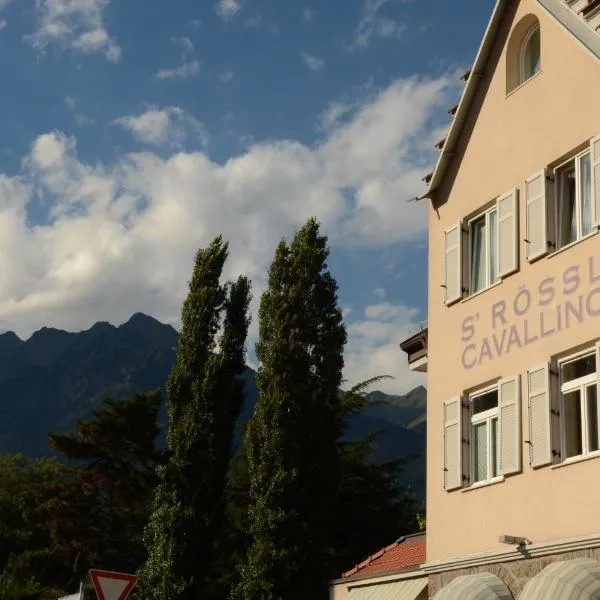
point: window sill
(577, 459)
(489, 287)
(515, 90)
(482, 484)
(571, 244)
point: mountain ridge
(56, 377)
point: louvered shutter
(595, 156)
(509, 406)
(453, 264)
(508, 233)
(536, 237)
(453, 443)
(538, 394)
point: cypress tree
(293, 459)
(205, 397)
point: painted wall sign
(536, 312)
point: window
(574, 199)
(579, 405)
(530, 60)
(484, 437)
(483, 251)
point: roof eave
(468, 94)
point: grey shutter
(540, 433)
(508, 233)
(453, 264)
(595, 160)
(536, 236)
(453, 449)
(509, 408)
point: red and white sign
(112, 586)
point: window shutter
(536, 237)
(453, 443)
(453, 264)
(508, 233)
(509, 406)
(595, 155)
(538, 393)
(598, 369)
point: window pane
(592, 417)
(532, 62)
(495, 448)
(493, 246)
(485, 402)
(586, 365)
(567, 213)
(478, 259)
(586, 194)
(572, 424)
(480, 452)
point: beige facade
(514, 299)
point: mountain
(56, 377)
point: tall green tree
(205, 397)
(293, 459)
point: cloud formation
(118, 238)
(374, 25)
(170, 125)
(76, 25)
(227, 8)
(187, 68)
(312, 62)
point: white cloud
(120, 237)
(83, 120)
(74, 24)
(70, 102)
(226, 77)
(308, 14)
(2, 24)
(312, 62)
(170, 125)
(227, 8)
(373, 347)
(187, 67)
(373, 25)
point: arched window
(530, 62)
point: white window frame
(488, 246)
(576, 159)
(580, 385)
(484, 417)
(524, 45)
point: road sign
(112, 586)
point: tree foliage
(293, 461)
(205, 397)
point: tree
(293, 459)
(205, 397)
(370, 497)
(113, 459)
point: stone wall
(515, 574)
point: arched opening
(530, 54)
(523, 52)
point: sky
(133, 132)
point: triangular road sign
(112, 586)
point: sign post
(110, 585)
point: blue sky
(133, 132)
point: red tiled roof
(402, 554)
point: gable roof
(405, 553)
(560, 12)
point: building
(393, 573)
(511, 350)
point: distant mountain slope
(55, 378)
